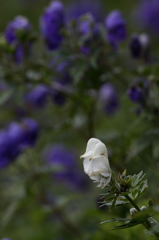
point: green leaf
(116, 220)
(126, 225)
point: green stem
(132, 202)
(146, 224)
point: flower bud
(143, 208)
(140, 46)
(133, 211)
(96, 163)
(139, 91)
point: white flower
(96, 163)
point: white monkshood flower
(133, 211)
(96, 163)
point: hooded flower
(139, 91)
(51, 24)
(115, 25)
(15, 35)
(89, 32)
(17, 137)
(96, 163)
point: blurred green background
(33, 221)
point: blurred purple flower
(139, 91)
(8, 149)
(115, 25)
(15, 33)
(66, 158)
(51, 24)
(135, 46)
(108, 98)
(135, 94)
(89, 30)
(58, 154)
(15, 138)
(37, 96)
(82, 7)
(148, 15)
(64, 77)
(140, 46)
(30, 132)
(88, 26)
(61, 82)
(58, 97)
(20, 23)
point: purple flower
(9, 147)
(108, 98)
(115, 25)
(24, 134)
(148, 15)
(83, 7)
(88, 26)
(139, 91)
(19, 24)
(8, 152)
(135, 46)
(58, 154)
(37, 96)
(64, 77)
(51, 24)
(15, 35)
(58, 97)
(140, 46)
(135, 94)
(61, 82)
(66, 158)
(30, 132)
(15, 138)
(89, 30)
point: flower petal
(87, 166)
(90, 147)
(100, 150)
(101, 165)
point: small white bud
(133, 211)
(143, 208)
